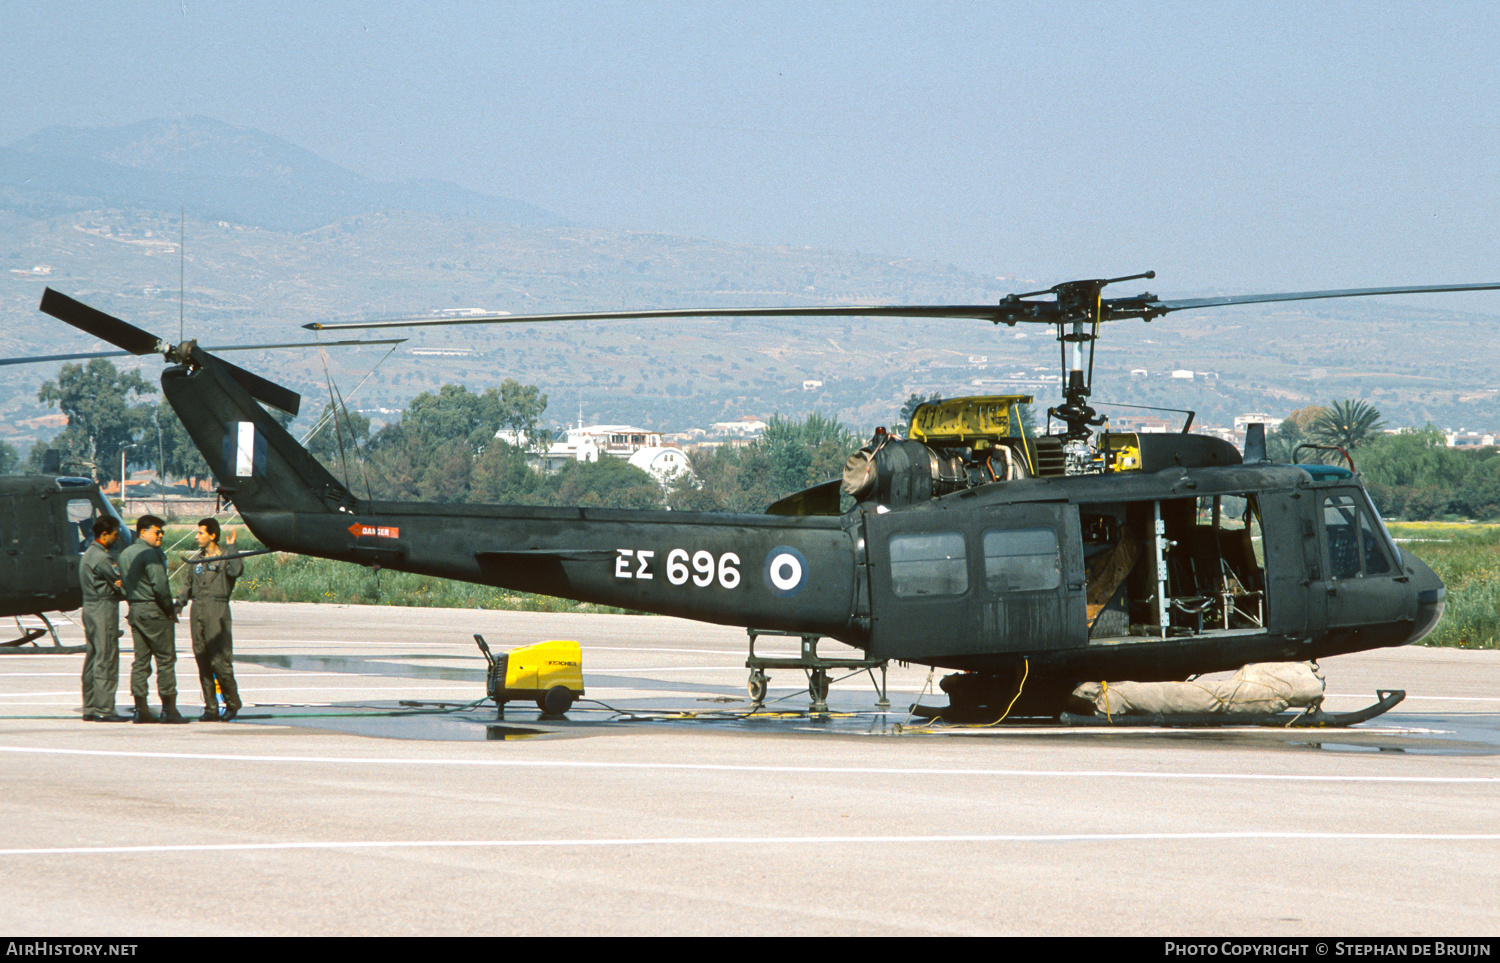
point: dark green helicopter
(1025, 563)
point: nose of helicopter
(1432, 595)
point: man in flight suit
(209, 585)
(100, 580)
(152, 621)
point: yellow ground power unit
(547, 673)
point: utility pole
(124, 506)
(161, 461)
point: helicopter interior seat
(1343, 552)
(1242, 583)
(1213, 577)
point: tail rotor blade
(100, 325)
(266, 392)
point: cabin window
(1354, 541)
(932, 563)
(1022, 560)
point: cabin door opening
(1174, 567)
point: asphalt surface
(331, 808)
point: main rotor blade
(1009, 311)
(1316, 295)
(100, 325)
(981, 312)
(355, 342)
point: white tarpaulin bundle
(1259, 688)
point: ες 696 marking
(701, 568)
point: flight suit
(208, 585)
(152, 619)
(97, 575)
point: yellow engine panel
(963, 421)
(541, 666)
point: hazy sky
(1229, 146)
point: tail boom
(772, 572)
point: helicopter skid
(31, 636)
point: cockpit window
(81, 519)
(1356, 546)
(81, 515)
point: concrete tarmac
(331, 809)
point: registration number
(700, 568)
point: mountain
(218, 171)
(276, 237)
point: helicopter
(1025, 563)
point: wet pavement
(366, 782)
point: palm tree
(1347, 424)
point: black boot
(169, 713)
(210, 714)
(143, 711)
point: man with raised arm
(208, 585)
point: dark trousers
(101, 658)
(155, 636)
(213, 648)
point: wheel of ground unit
(759, 682)
(559, 699)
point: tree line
(444, 449)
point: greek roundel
(786, 571)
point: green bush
(1467, 559)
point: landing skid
(31, 635)
(1315, 718)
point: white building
(1241, 421)
(745, 427)
(663, 464)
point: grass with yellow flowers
(1467, 558)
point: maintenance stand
(810, 662)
